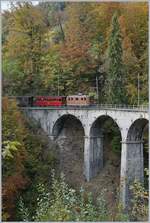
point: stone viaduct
(130, 122)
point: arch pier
(93, 156)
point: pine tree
(115, 89)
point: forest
(62, 48)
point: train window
(82, 99)
(71, 98)
(77, 98)
(85, 99)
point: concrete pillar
(93, 156)
(87, 158)
(132, 168)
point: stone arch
(102, 120)
(135, 149)
(132, 159)
(60, 122)
(97, 143)
(136, 129)
(68, 132)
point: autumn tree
(136, 25)
(24, 49)
(27, 159)
(14, 155)
(54, 17)
(76, 56)
(130, 63)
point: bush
(63, 203)
(139, 202)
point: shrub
(139, 202)
(63, 203)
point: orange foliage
(14, 177)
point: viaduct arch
(61, 121)
(130, 123)
(97, 143)
(68, 133)
(132, 160)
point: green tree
(116, 73)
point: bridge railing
(119, 106)
(110, 106)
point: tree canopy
(73, 42)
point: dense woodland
(53, 48)
(70, 44)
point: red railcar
(45, 101)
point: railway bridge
(131, 122)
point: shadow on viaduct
(131, 124)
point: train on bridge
(53, 101)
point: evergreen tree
(116, 73)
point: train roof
(50, 96)
(83, 95)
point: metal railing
(124, 107)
